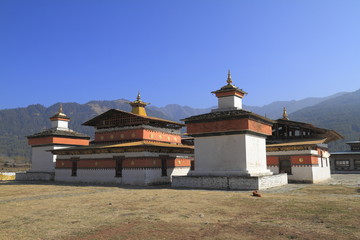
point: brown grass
(45, 211)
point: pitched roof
(227, 115)
(330, 135)
(59, 133)
(119, 118)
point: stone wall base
(230, 182)
(35, 176)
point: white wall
(240, 154)
(321, 174)
(132, 176)
(60, 124)
(42, 160)
(308, 173)
(301, 173)
(103, 175)
(230, 183)
(230, 102)
(256, 155)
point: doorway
(285, 166)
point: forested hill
(341, 114)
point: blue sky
(176, 51)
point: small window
(357, 164)
(74, 167)
(163, 167)
(322, 163)
(118, 166)
(342, 164)
(192, 167)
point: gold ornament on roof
(285, 115)
(138, 98)
(60, 113)
(138, 106)
(229, 80)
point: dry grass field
(56, 211)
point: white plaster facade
(226, 155)
(42, 160)
(311, 173)
(60, 125)
(130, 176)
(229, 103)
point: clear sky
(176, 51)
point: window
(357, 164)
(192, 166)
(74, 165)
(354, 148)
(118, 166)
(342, 164)
(163, 167)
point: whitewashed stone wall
(35, 176)
(130, 176)
(323, 171)
(227, 155)
(103, 175)
(274, 169)
(306, 173)
(230, 183)
(42, 160)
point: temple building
(230, 146)
(59, 136)
(129, 148)
(347, 161)
(300, 150)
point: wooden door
(285, 166)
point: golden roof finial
(60, 113)
(138, 98)
(285, 115)
(229, 81)
(138, 106)
(60, 108)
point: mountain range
(340, 112)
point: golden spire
(138, 106)
(60, 109)
(285, 115)
(138, 98)
(229, 80)
(60, 113)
